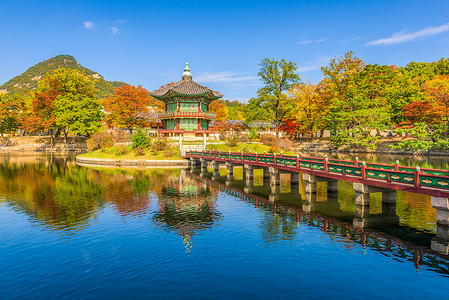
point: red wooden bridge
(426, 181)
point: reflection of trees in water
(186, 207)
(58, 195)
(129, 191)
(277, 228)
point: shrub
(253, 134)
(159, 144)
(244, 138)
(139, 139)
(139, 151)
(121, 136)
(233, 138)
(168, 152)
(273, 149)
(100, 140)
(121, 150)
(284, 144)
(268, 139)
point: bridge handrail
(432, 178)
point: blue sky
(148, 42)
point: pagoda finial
(186, 74)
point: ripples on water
(75, 232)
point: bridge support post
(362, 192)
(440, 242)
(275, 176)
(215, 169)
(203, 165)
(215, 166)
(230, 171)
(193, 162)
(311, 181)
(442, 207)
(249, 171)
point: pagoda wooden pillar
(199, 124)
(177, 124)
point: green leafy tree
(66, 101)
(11, 107)
(423, 136)
(358, 96)
(278, 77)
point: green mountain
(28, 80)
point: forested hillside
(28, 80)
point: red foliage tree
(130, 107)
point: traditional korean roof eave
(186, 88)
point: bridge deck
(432, 182)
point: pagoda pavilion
(186, 106)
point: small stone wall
(324, 145)
(43, 144)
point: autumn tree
(438, 91)
(66, 101)
(307, 110)
(258, 109)
(130, 107)
(235, 110)
(11, 107)
(359, 96)
(421, 111)
(219, 108)
(278, 77)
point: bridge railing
(416, 177)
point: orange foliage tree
(219, 107)
(438, 91)
(130, 107)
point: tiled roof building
(186, 105)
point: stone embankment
(87, 161)
(43, 144)
(324, 145)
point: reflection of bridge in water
(381, 232)
(366, 178)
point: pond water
(72, 232)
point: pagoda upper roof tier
(185, 87)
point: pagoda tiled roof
(186, 87)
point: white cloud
(119, 21)
(311, 41)
(402, 37)
(223, 77)
(114, 30)
(314, 65)
(231, 80)
(88, 24)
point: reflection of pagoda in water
(186, 207)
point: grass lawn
(128, 153)
(246, 147)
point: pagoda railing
(187, 114)
(413, 179)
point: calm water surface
(72, 232)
